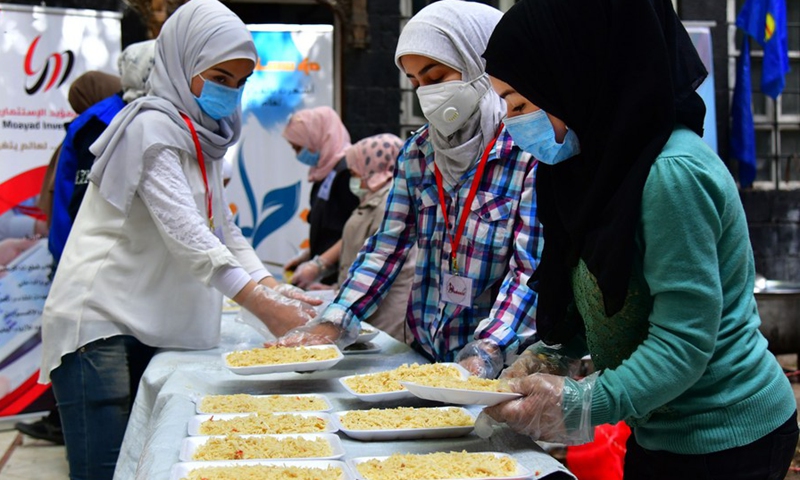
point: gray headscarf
(455, 33)
(201, 34)
(135, 64)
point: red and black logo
(62, 66)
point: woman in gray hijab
(463, 193)
(153, 244)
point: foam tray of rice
(261, 424)
(405, 423)
(244, 403)
(261, 447)
(384, 386)
(262, 470)
(469, 391)
(279, 359)
(440, 466)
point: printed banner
(43, 51)
(269, 191)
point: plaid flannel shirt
(499, 250)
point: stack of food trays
(261, 436)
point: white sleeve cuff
(260, 274)
(230, 280)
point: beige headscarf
(319, 130)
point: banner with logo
(269, 191)
(43, 51)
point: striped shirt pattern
(499, 250)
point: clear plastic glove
(553, 408)
(483, 358)
(302, 256)
(295, 293)
(306, 274)
(325, 329)
(278, 312)
(541, 358)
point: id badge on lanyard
(456, 288)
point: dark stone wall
(715, 11)
(371, 90)
(773, 218)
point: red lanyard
(455, 237)
(201, 161)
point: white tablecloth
(165, 402)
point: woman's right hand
(279, 313)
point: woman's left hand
(306, 274)
(546, 402)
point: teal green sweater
(684, 361)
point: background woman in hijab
(150, 230)
(439, 51)
(372, 163)
(646, 249)
(320, 140)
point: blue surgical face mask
(534, 133)
(219, 101)
(307, 157)
(356, 188)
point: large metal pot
(779, 309)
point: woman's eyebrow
(224, 71)
(507, 93)
(424, 70)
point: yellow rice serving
(264, 472)
(278, 355)
(264, 424)
(405, 417)
(439, 465)
(235, 447)
(471, 383)
(389, 381)
(243, 403)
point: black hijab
(621, 74)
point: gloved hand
(302, 256)
(278, 312)
(326, 328)
(294, 293)
(541, 358)
(482, 358)
(310, 272)
(553, 408)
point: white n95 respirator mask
(448, 106)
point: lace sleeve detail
(169, 198)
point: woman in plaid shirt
(459, 181)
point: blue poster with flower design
(269, 189)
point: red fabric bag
(603, 458)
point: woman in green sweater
(647, 262)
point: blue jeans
(95, 387)
(767, 458)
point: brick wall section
(774, 222)
(371, 90)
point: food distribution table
(175, 378)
